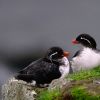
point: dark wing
(44, 72)
(77, 53)
(34, 65)
(29, 73)
(97, 51)
(41, 71)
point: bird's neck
(88, 48)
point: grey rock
(17, 90)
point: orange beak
(66, 54)
(75, 41)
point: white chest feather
(64, 69)
(86, 60)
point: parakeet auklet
(52, 66)
(88, 57)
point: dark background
(29, 27)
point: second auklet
(52, 66)
(89, 56)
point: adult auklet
(52, 66)
(88, 57)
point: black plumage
(77, 53)
(86, 40)
(89, 56)
(44, 70)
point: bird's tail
(24, 77)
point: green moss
(79, 88)
(49, 95)
(93, 73)
(79, 93)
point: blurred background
(29, 27)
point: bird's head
(86, 40)
(56, 53)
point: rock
(81, 90)
(77, 89)
(58, 83)
(17, 90)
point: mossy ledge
(83, 86)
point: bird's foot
(33, 83)
(42, 85)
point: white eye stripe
(53, 54)
(86, 40)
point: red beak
(75, 41)
(66, 54)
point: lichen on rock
(17, 90)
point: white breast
(88, 59)
(64, 69)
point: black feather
(41, 71)
(77, 53)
